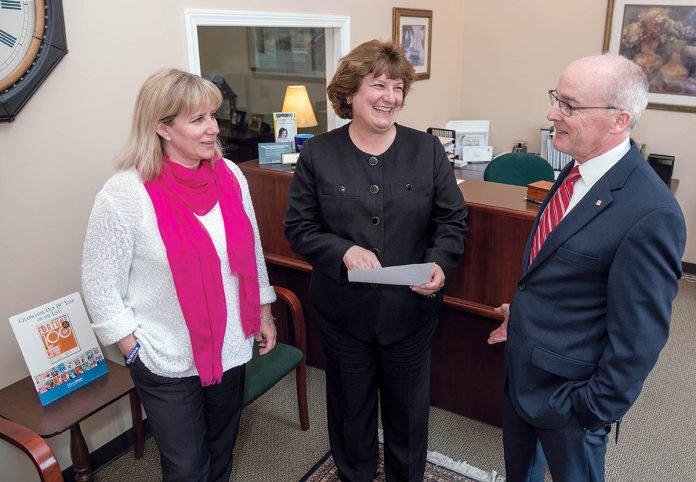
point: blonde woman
(173, 273)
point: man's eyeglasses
(567, 109)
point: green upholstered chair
(519, 169)
(34, 447)
(262, 372)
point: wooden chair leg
(301, 382)
(298, 322)
(138, 431)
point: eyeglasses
(567, 109)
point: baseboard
(108, 452)
(689, 267)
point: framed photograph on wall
(287, 51)
(413, 30)
(660, 36)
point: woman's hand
(499, 335)
(266, 337)
(126, 344)
(435, 284)
(360, 258)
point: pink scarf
(177, 194)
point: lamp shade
(297, 101)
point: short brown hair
(372, 57)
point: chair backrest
(519, 169)
(34, 447)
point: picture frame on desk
(412, 29)
(660, 36)
(237, 118)
(255, 122)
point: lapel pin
(598, 203)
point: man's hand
(499, 335)
(360, 258)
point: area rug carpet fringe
(464, 468)
(458, 466)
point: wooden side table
(20, 403)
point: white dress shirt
(593, 169)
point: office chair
(519, 169)
(34, 447)
(262, 372)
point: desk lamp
(297, 101)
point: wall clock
(32, 42)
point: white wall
(491, 59)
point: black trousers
(573, 453)
(195, 427)
(355, 371)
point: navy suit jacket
(592, 312)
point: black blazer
(592, 312)
(404, 205)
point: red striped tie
(553, 213)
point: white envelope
(408, 274)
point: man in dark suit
(593, 305)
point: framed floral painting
(660, 36)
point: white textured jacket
(128, 286)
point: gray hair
(627, 85)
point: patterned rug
(438, 468)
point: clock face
(32, 42)
(21, 30)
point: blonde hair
(372, 57)
(164, 95)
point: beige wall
(491, 59)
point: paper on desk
(408, 274)
(476, 153)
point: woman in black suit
(366, 195)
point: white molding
(227, 18)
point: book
(284, 127)
(59, 347)
(271, 152)
(537, 191)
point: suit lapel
(592, 204)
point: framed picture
(256, 122)
(237, 118)
(413, 30)
(660, 36)
(287, 51)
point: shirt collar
(594, 168)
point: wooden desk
(467, 373)
(20, 403)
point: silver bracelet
(269, 320)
